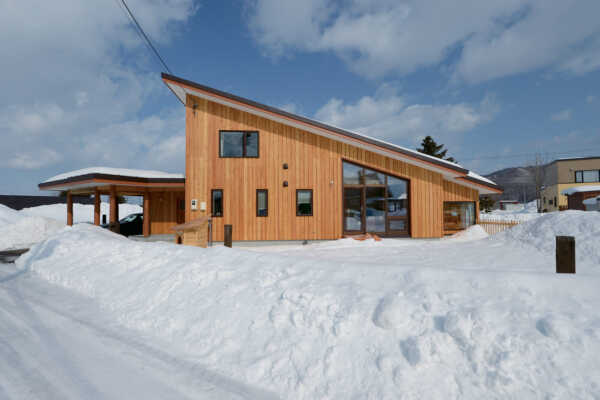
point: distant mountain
(518, 183)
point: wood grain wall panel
(163, 211)
(314, 162)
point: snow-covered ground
(526, 213)
(56, 345)
(21, 229)
(466, 317)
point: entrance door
(180, 212)
(374, 202)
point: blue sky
(496, 82)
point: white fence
(496, 226)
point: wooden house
(274, 175)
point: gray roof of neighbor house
(458, 172)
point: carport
(163, 194)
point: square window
(238, 144)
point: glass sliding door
(397, 204)
(374, 202)
(375, 209)
(353, 215)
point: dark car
(132, 224)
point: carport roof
(88, 179)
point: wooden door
(180, 212)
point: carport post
(114, 205)
(96, 206)
(146, 229)
(69, 208)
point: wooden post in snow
(228, 235)
(565, 255)
(69, 208)
(96, 207)
(146, 221)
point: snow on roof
(580, 189)
(132, 173)
(481, 178)
(592, 200)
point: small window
(555, 202)
(238, 144)
(262, 203)
(217, 202)
(304, 202)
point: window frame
(473, 203)
(312, 206)
(244, 148)
(212, 203)
(266, 192)
(582, 172)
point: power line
(500, 156)
(143, 35)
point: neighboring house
(582, 197)
(274, 175)
(564, 174)
(510, 205)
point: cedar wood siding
(163, 211)
(313, 163)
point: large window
(238, 144)
(458, 215)
(217, 202)
(592, 175)
(262, 203)
(374, 201)
(304, 202)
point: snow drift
(394, 319)
(18, 230)
(21, 229)
(540, 233)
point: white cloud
(563, 115)
(33, 159)
(290, 107)
(78, 78)
(482, 40)
(387, 116)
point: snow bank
(541, 232)
(338, 328)
(474, 232)
(27, 231)
(22, 229)
(8, 215)
(527, 213)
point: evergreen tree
(486, 203)
(429, 146)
